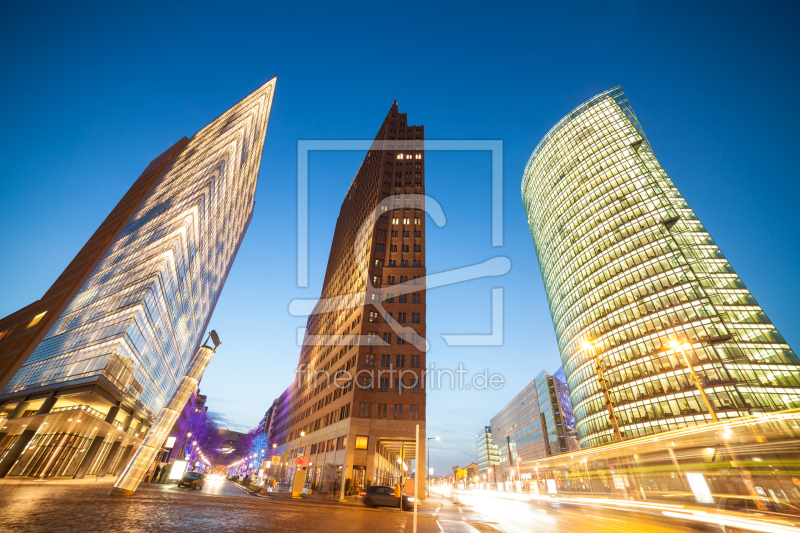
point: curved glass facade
(627, 265)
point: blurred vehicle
(194, 480)
(378, 495)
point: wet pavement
(84, 506)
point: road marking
(437, 510)
(459, 510)
(440, 526)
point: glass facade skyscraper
(488, 455)
(117, 348)
(628, 267)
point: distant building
(266, 424)
(472, 473)
(558, 422)
(533, 425)
(488, 454)
(232, 439)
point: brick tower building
(359, 392)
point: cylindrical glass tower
(627, 266)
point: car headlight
(410, 498)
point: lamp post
(675, 345)
(599, 368)
(428, 466)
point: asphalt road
(53, 506)
(489, 514)
(86, 507)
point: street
(66, 506)
(85, 506)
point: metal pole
(696, 381)
(598, 367)
(416, 479)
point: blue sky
(93, 92)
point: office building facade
(558, 421)
(86, 369)
(358, 394)
(488, 454)
(628, 269)
(537, 423)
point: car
(192, 479)
(380, 495)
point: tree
(205, 433)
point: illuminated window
(37, 319)
(362, 442)
(399, 156)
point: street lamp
(599, 368)
(675, 345)
(429, 461)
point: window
(380, 247)
(418, 156)
(415, 318)
(361, 442)
(369, 360)
(401, 318)
(401, 338)
(416, 280)
(389, 280)
(382, 410)
(364, 413)
(406, 234)
(417, 220)
(392, 247)
(401, 361)
(415, 339)
(413, 412)
(382, 220)
(403, 298)
(398, 412)
(389, 318)
(396, 207)
(376, 281)
(394, 234)
(379, 263)
(366, 383)
(408, 221)
(407, 208)
(383, 386)
(417, 165)
(385, 360)
(404, 263)
(373, 316)
(331, 445)
(418, 175)
(313, 449)
(405, 247)
(387, 338)
(403, 279)
(399, 156)
(414, 361)
(371, 338)
(417, 234)
(396, 220)
(341, 443)
(417, 248)
(392, 263)
(390, 298)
